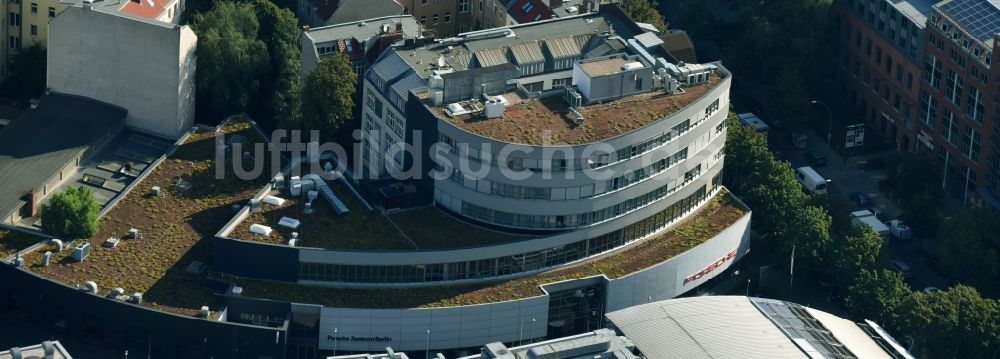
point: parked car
(860, 198)
(901, 267)
(815, 159)
(931, 289)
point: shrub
(71, 214)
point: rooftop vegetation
(530, 121)
(173, 226)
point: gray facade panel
(473, 325)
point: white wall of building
(145, 66)
(371, 330)
(523, 319)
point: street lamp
(336, 339)
(829, 127)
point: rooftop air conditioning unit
(274, 201)
(90, 287)
(260, 229)
(81, 251)
(204, 312)
(494, 109)
(57, 243)
(290, 223)
(114, 293)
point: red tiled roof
(538, 11)
(150, 9)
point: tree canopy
(231, 59)
(329, 102)
(27, 71)
(71, 214)
(248, 61)
(968, 246)
(645, 11)
(955, 323)
(877, 295)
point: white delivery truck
(868, 218)
(811, 180)
(754, 122)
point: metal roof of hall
(40, 142)
(729, 326)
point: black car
(815, 159)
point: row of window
(949, 129)
(434, 19)
(899, 31)
(505, 265)
(559, 222)
(569, 193)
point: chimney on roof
(584, 6)
(555, 3)
(399, 26)
(305, 28)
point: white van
(812, 181)
(754, 122)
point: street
(847, 177)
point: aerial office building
(920, 73)
(442, 263)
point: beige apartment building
(25, 23)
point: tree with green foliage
(747, 154)
(862, 249)
(769, 187)
(914, 183)
(328, 103)
(27, 71)
(645, 11)
(968, 234)
(697, 19)
(231, 59)
(71, 214)
(877, 295)
(788, 95)
(280, 90)
(811, 237)
(839, 209)
(955, 323)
